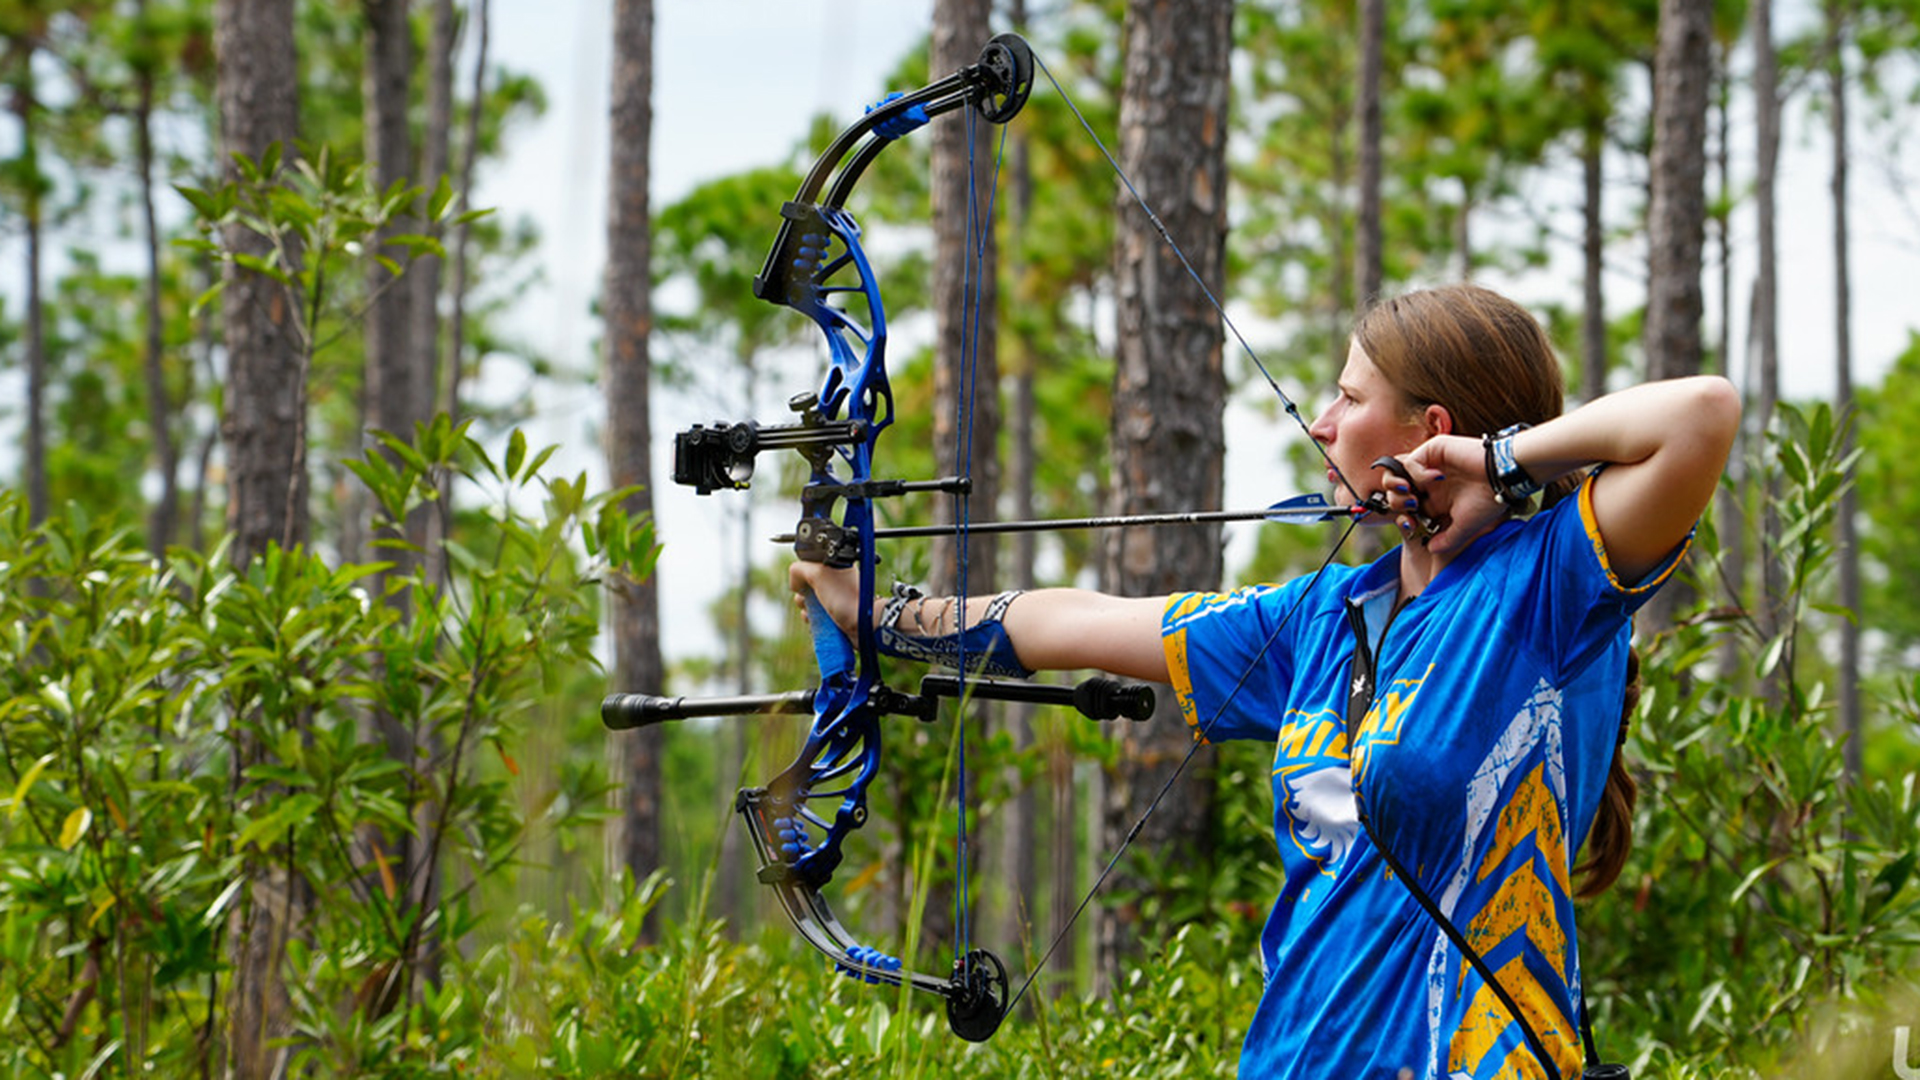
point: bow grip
(832, 651)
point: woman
(1457, 702)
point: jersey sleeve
(1581, 602)
(1228, 665)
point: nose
(1323, 426)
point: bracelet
(1512, 486)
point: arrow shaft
(1192, 517)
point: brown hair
(1486, 360)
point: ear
(1437, 419)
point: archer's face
(1368, 419)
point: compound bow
(816, 266)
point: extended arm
(1051, 629)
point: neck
(1418, 568)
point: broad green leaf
(25, 785)
(75, 827)
(516, 452)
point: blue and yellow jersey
(1481, 758)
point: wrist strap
(1512, 486)
(984, 645)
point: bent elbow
(1714, 408)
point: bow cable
(1225, 319)
(1201, 732)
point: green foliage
(1765, 895)
(138, 829)
(1889, 434)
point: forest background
(302, 765)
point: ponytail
(1611, 837)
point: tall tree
(1020, 823)
(164, 519)
(1766, 95)
(25, 29)
(1676, 181)
(399, 377)
(629, 323)
(1730, 519)
(266, 475)
(266, 391)
(1677, 210)
(1846, 542)
(966, 379)
(457, 288)
(1368, 268)
(965, 293)
(1169, 386)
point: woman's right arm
(1051, 629)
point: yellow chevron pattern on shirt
(1524, 904)
(1486, 1021)
(1532, 811)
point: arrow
(1299, 510)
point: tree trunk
(1676, 199)
(1730, 519)
(1676, 215)
(1169, 390)
(456, 321)
(424, 273)
(1018, 827)
(26, 104)
(966, 380)
(1593, 313)
(164, 520)
(266, 500)
(399, 380)
(1765, 320)
(1368, 269)
(629, 322)
(1845, 542)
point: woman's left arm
(1664, 444)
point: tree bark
(1766, 95)
(1019, 855)
(1676, 215)
(266, 393)
(424, 274)
(1169, 389)
(25, 105)
(1368, 266)
(1593, 313)
(163, 522)
(1730, 519)
(266, 500)
(470, 142)
(1676, 203)
(629, 323)
(1845, 541)
(966, 380)
(399, 379)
